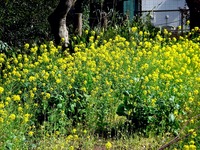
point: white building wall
(169, 18)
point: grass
(133, 142)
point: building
(163, 13)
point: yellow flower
(34, 49)
(74, 131)
(26, 117)
(188, 22)
(8, 99)
(191, 142)
(34, 89)
(16, 98)
(108, 145)
(91, 39)
(93, 32)
(186, 147)
(48, 95)
(1, 90)
(75, 137)
(145, 92)
(32, 78)
(31, 94)
(191, 130)
(165, 31)
(71, 148)
(26, 46)
(141, 33)
(62, 40)
(30, 133)
(196, 92)
(1, 120)
(194, 134)
(86, 31)
(191, 99)
(57, 133)
(134, 29)
(74, 38)
(192, 147)
(20, 109)
(1, 105)
(68, 138)
(58, 80)
(84, 131)
(12, 116)
(83, 89)
(196, 28)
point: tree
(25, 21)
(57, 21)
(194, 7)
(58, 18)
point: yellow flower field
(152, 83)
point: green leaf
(171, 117)
(121, 110)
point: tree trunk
(78, 23)
(194, 7)
(57, 21)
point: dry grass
(95, 143)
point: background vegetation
(28, 18)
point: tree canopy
(194, 6)
(23, 20)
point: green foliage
(145, 116)
(25, 21)
(4, 47)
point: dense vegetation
(107, 87)
(127, 85)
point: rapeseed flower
(93, 32)
(1, 90)
(186, 147)
(58, 80)
(30, 133)
(192, 147)
(20, 109)
(26, 117)
(16, 98)
(71, 148)
(1, 105)
(187, 22)
(108, 145)
(75, 137)
(196, 28)
(74, 131)
(26, 46)
(1, 120)
(69, 138)
(134, 29)
(12, 116)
